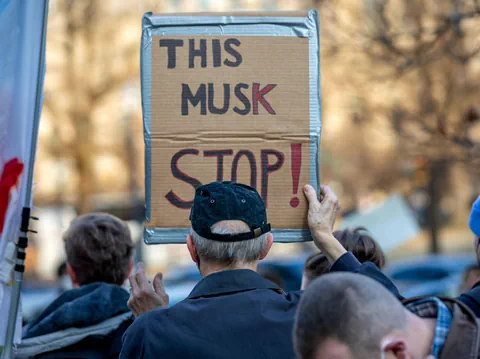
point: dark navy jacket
(348, 263)
(87, 322)
(230, 314)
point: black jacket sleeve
(348, 263)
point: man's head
(357, 241)
(229, 226)
(349, 316)
(99, 249)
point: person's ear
(397, 346)
(191, 249)
(73, 276)
(268, 246)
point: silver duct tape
(146, 85)
(179, 235)
(159, 25)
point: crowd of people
(346, 309)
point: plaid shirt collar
(434, 308)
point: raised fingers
(311, 196)
(141, 279)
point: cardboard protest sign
(230, 97)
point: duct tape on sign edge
(279, 118)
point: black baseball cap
(221, 201)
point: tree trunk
(438, 175)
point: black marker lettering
(211, 99)
(171, 45)
(202, 52)
(228, 48)
(199, 97)
(244, 99)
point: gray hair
(351, 308)
(230, 252)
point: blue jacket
(348, 263)
(230, 314)
(87, 322)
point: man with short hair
(357, 312)
(342, 261)
(232, 312)
(348, 316)
(89, 320)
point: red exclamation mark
(296, 166)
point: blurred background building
(400, 89)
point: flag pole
(24, 228)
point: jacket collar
(230, 281)
(463, 339)
(81, 307)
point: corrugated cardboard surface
(283, 61)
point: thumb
(310, 194)
(158, 284)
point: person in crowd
(233, 312)
(350, 316)
(89, 320)
(320, 215)
(347, 315)
(470, 278)
(358, 241)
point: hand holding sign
(321, 219)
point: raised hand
(144, 296)
(321, 219)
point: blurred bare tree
(416, 67)
(92, 59)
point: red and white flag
(21, 72)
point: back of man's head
(99, 248)
(229, 224)
(350, 310)
(228, 253)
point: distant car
(435, 274)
